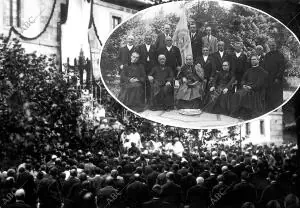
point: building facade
(266, 129)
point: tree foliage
(38, 104)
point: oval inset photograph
(201, 64)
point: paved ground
(204, 120)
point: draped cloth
(75, 30)
(181, 37)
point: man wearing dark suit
(26, 181)
(147, 53)
(172, 54)
(20, 197)
(161, 38)
(239, 63)
(220, 56)
(49, 190)
(198, 195)
(196, 41)
(156, 200)
(137, 192)
(108, 196)
(67, 187)
(272, 192)
(148, 56)
(97, 180)
(244, 191)
(207, 62)
(171, 192)
(210, 41)
(125, 52)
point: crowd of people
(214, 77)
(216, 176)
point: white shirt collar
(238, 54)
(129, 47)
(205, 58)
(169, 48)
(147, 47)
(221, 53)
(167, 35)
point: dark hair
(273, 204)
(248, 205)
(291, 201)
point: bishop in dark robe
(191, 89)
(274, 64)
(221, 90)
(132, 85)
(249, 101)
(161, 78)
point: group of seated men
(212, 79)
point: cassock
(173, 57)
(124, 55)
(162, 95)
(219, 60)
(190, 94)
(220, 102)
(239, 66)
(274, 64)
(196, 44)
(132, 94)
(251, 101)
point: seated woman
(191, 89)
(219, 95)
(132, 92)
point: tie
(208, 38)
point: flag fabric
(181, 37)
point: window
(262, 127)
(248, 131)
(12, 13)
(115, 21)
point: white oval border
(190, 1)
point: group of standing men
(212, 79)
